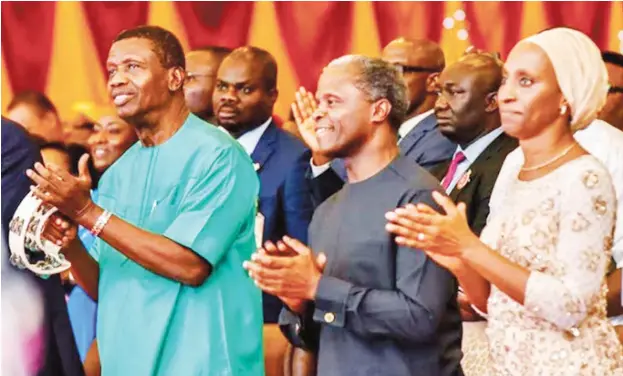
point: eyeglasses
(414, 69)
(615, 89)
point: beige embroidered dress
(560, 227)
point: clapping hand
(70, 194)
(60, 231)
(287, 270)
(442, 237)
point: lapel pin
(464, 180)
(256, 166)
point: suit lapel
(265, 147)
(470, 175)
(493, 150)
(416, 134)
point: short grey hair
(378, 79)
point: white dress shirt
(250, 139)
(472, 152)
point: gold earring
(563, 109)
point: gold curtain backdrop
(60, 47)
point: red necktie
(458, 158)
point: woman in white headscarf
(539, 268)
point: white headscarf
(580, 71)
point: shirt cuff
(331, 298)
(533, 299)
(318, 170)
(479, 312)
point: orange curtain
(411, 20)
(216, 23)
(590, 17)
(491, 36)
(106, 19)
(314, 33)
(60, 47)
(27, 32)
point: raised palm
(303, 109)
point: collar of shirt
(477, 147)
(250, 139)
(410, 124)
(471, 154)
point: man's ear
(176, 77)
(431, 82)
(380, 110)
(491, 102)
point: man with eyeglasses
(201, 67)
(613, 111)
(420, 61)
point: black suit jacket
(18, 154)
(484, 172)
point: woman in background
(111, 137)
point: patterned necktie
(458, 158)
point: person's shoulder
(126, 157)
(200, 133)
(13, 133)
(17, 146)
(12, 129)
(412, 176)
(587, 173)
(601, 130)
(204, 142)
(604, 141)
(587, 162)
(289, 142)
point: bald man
(201, 67)
(420, 61)
(472, 120)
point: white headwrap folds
(580, 71)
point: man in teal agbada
(173, 297)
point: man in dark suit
(467, 113)
(419, 137)
(420, 62)
(243, 98)
(19, 153)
